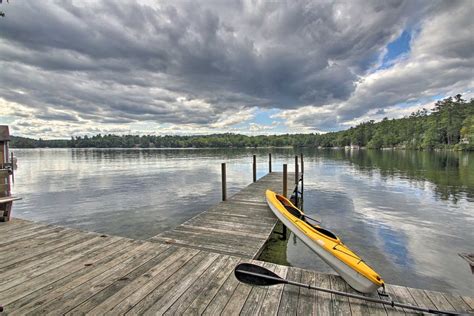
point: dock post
(12, 165)
(224, 185)
(297, 178)
(296, 170)
(302, 182)
(254, 168)
(269, 163)
(302, 163)
(285, 190)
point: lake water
(407, 213)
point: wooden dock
(239, 226)
(47, 269)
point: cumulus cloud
(441, 62)
(204, 67)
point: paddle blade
(256, 275)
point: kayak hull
(356, 280)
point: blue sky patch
(263, 116)
(396, 48)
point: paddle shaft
(356, 296)
(313, 219)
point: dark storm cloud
(57, 116)
(193, 63)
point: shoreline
(347, 148)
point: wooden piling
(224, 184)
(254, 168)
(13, 167)
(285, 190)
(269, 162)
(296, 170)
(302, 163)
(296, 179)
(302, 183)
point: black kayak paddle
(256, 275)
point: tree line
(449, 125)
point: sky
(70, 68)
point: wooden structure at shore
(6, 175)
(47, 269)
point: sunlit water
(408, 214)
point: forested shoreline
(449, 125)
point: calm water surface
(408, 214)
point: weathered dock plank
(63, 304)
(421, 298)
(307, 299)
(222, 296)
(239, 226)
(118, 291)
(341, 304)
(23, 232)
(16, 289)
(54, 261)
(256, 298)
(358, 307)
(200, 285)
(81, 274)
(149, 281)
(289, 297)
(32, 255)
(200, 303)
(239, 297)
(16, 224)
(457, 302)
(163, 296)
(97, 275)
(323, 300)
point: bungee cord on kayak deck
(353, 256)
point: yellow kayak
(327, 245)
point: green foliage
(450, 125)
(467, 130)
(451, 172)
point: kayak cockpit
(300, 215)
(325, 232)
(294, 211)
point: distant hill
(449, 125)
